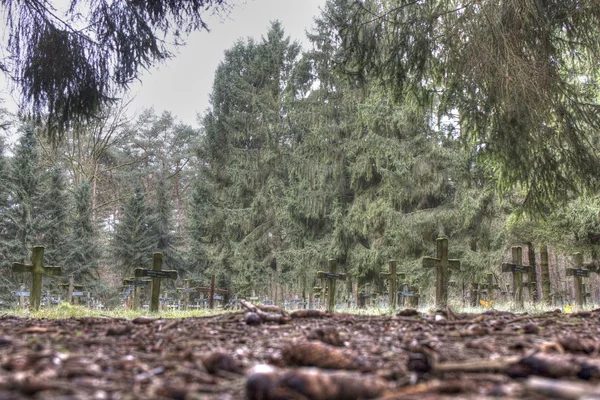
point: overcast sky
(182, 85)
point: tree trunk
(533, 280)
(545, 271)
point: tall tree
(246, 145)
(24, 214)
(133, 241)
(70, 63)
(83, 256)
(519, 77)
(55, 203)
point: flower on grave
(487, 304)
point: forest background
(389, 131)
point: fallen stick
(496, 365)
(560, 389)
(281, 318)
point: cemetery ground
(262, 352)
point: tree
(69, 65)
(246, 146)
(82, 258)
(133, 241)
(24, 213)
(23, 216)
(517, 78)
(55, 211)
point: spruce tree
(84, 251)
(246, 151)
(55, 211)
(134, 240)
(24, 212)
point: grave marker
(71, 286)
(331, 276)
(37, 270)
(517, 269)
(474, 294)
(411, 296)
(578, 273)
(489, 286)
(211, 290)
(136, 285)
(156, 274)
(392, 276)
(22, 294)
(443, 267)
(186, 293)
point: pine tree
(134, 240)
(67, 74)
(55, 210)
(24, 215)
(83, 256)
(246, 147)
(518, 77)
(166, 240)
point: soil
(268, 354)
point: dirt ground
(269, 354)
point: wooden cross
(517, 269)
(411, 296)
(489, 286)
(37, 270)
(392, 275)
(442, 266)
(331, 276)
(211, 290)
(186, 293)
(71, 286)
(578, 273)
(156, 274)
(137, 290)
(22, 294)
(474, 294)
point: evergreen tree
(134, 241)
(517, 76)
(24, 212)
(67, 74)
(246, 149)
(166, 240)
(83, 256)
(55, 209)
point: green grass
(65, 310)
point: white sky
(182, 85)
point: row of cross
(443, 266)
(156, 274)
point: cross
(22, 294)
(474, 294)
(489, 286)
(211, 290)
(392, 275)
(37, 270)
(70, 285)
(578, 273)
(156, 274)
(442, 266)
(186, 293)
(137, 292)
(410, 295)
(516, 268)
(331, 277)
